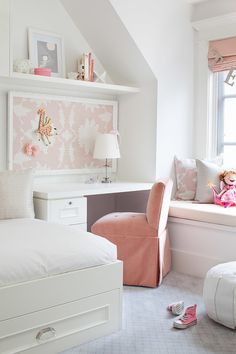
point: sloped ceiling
(110, 41)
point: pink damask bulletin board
(56, 133)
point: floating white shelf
(55, 82)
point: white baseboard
(192, 263)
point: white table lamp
(106, 147)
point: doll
(227, 195)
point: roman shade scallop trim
(222, 54)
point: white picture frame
(19, 104)
(47, 50)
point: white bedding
(31, 249)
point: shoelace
(184, 318)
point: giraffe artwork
(45, 127)
(35, 143)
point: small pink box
(42, 71)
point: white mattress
(31, 249)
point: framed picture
(47, 50)
(56, 134)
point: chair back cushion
(158, 205)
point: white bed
(58, 287)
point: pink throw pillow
(186, 178)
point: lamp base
(106, 180)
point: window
(226, 119)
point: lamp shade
(106, 147)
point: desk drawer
(65, 211)
(68, 211)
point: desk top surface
(72, 190)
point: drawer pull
(46, 333)
(70, 203)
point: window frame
(220, 114)
(206, 97)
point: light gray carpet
(147, 326)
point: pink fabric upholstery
(142, 239)
(158, 205)
(124, 225)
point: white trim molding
(214, 23)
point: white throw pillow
(186, 178)
(16, 194)
(206, 172)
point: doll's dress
(227, 197)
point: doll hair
(225, 173)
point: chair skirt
(146, 259)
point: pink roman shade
(222, 54)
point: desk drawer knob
(70, 203)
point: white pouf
(219, 294)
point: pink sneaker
(176, 307)
(188, 319)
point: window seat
(201, 236)
(209, 213)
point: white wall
(154, 41)
(137, 126)
(126, 65)
(48, 16)
(163, 33)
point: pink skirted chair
(142, 239)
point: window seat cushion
(209, 213)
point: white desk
(67, 203)
(73, 190)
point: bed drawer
(66, 211)
(25, 334)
